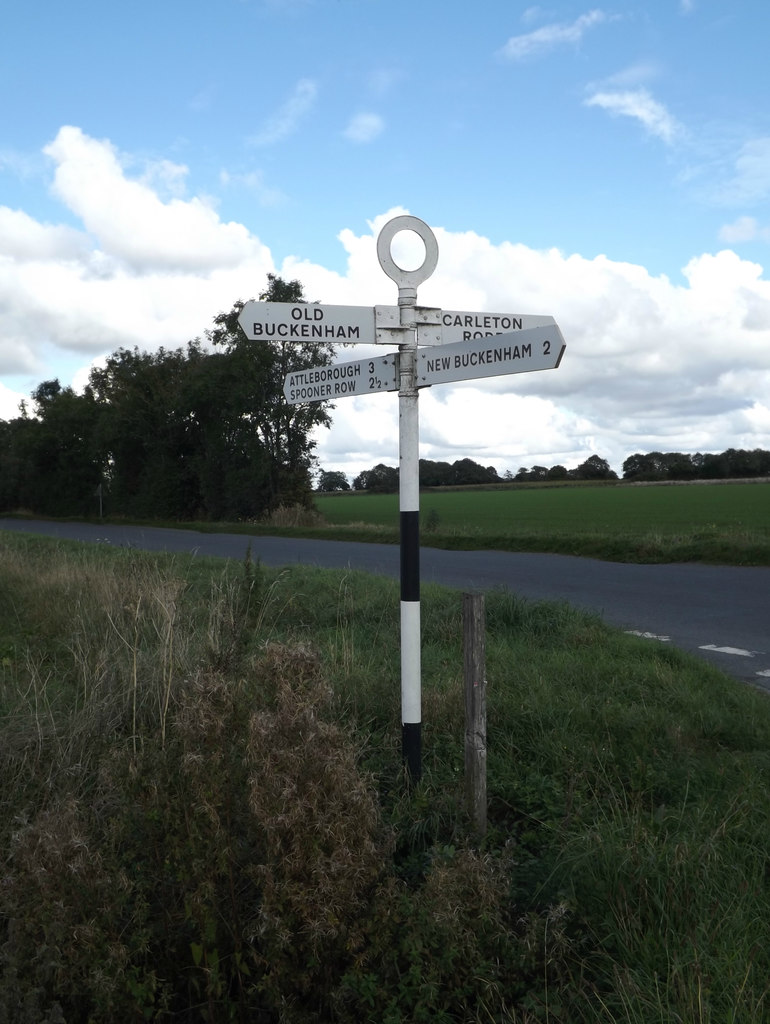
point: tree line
(734, 463)
(191, 433)
(657, 466)
(383, 479)
(654, 466)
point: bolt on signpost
(434, 346)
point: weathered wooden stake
(474, 647)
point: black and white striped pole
(409, 479)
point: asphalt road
(721, 613)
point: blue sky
(608, 165)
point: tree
(642, 467)
(146, 442)
(742, 463)
(61, 465)
(18, 483)
(380, 480)
(435, 474)
(594, 468)
(680, 466)
(466, 471)
(173, 434)
(257, 401)
(332, 480)
(196, 433)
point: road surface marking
(728, 650)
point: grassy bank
(204, 817)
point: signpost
(535, 348)
(303, 321)
(453, 345)
(322, 383)
(460, 325)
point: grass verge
(204, 816)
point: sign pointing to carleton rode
(459, 325)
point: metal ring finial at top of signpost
(407, 280)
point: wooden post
(474, 657)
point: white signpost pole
(455, 345)
(409, 480)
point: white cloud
(143, 272)
(364, 127)
(203, 100)
(550, 36)
(750, 181)
(639, 104)
(287, 119)
(381, 81)
(254, 182)
(629, 77)
(21, 237)
(744, 229)
(649, 363)
(166, 178)
(22, 165)
(130, 220)
(10, 402)
(531, 14)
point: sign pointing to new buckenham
(537, 348)
(435, 346)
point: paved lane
(721, 613)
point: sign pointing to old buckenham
(302, 321)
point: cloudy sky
(609, 166)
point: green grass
(725, 523)
(204, 817)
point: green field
(718, 523)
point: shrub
(225, 869)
